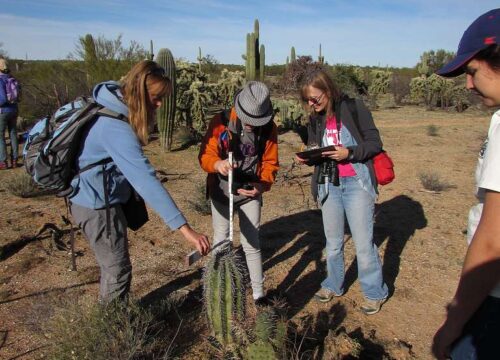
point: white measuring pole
(231, 196)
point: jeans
(358, 205)
(479, 339)
(8, 121)
(249, 217)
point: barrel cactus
(165, 114)
(224, 295)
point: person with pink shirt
(344, 182)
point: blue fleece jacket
(5, 107)
(108, 137)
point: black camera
(329, 171)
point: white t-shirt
(487, 178)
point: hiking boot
(324, 295)
(3, 165)
(371, 307)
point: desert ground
(420, 234)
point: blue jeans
(358, 205)
(481, 334)
(8, 121)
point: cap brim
(455, 66)
(248, 119)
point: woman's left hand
(256, 191)
(339, 154)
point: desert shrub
(400, 87)
(114, 331)
(432, 181)
(22, 185)
(432, 130)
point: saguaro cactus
(200, 58)
(292, 54)
(165, 114)
(224, 295)
(255, 56)
(321, 58)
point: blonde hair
(320, 80)
(145, 78)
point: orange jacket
(209, 152)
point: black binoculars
(329, 172)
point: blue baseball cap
(483, 32)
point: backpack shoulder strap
(112, 114)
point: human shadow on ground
(396, 220)
(304, 231)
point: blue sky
(358, 32)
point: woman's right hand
(222, 167)
(200, 241)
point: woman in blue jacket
(344, 183)
(97, 209)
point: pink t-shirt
(332, 137)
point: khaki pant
(110, 252)
(249, 217)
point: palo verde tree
(107, 59)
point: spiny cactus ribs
(166, 113)
(224, 294)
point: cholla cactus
(200, 95)
(227, 86)
(193, 96)
(224, 295)
(380, 82)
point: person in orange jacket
(248, 130)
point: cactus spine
(321, 58)
(166, 112)
(224, 295)
(255, 56)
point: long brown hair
(146, 77)
(321, 80)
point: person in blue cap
(471, 329)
